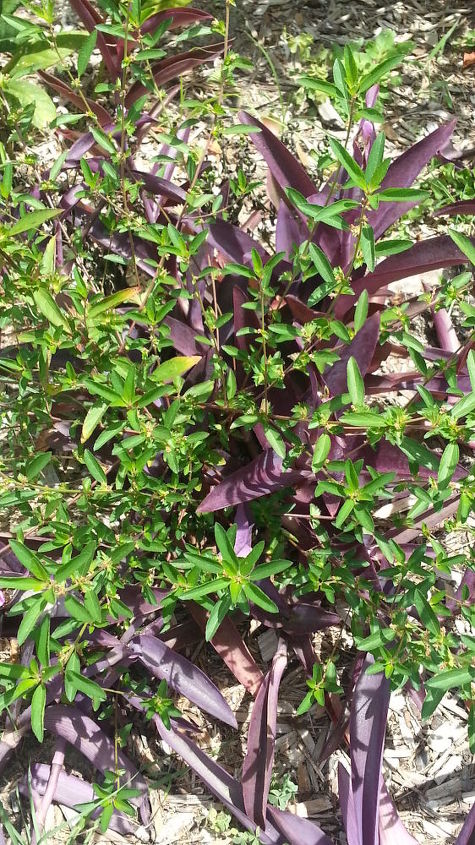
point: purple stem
(56, 769)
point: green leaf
(448, 462)
(471, 368)
(38, 704)
(464, 244)
(85, 52)
(28, 93)
(375, 157)
(30, 619)
(344, 512)
(393, 247)
(88, 687)
(92, 605)
(339, 78)
(427, 615)
(402, 195)
(382, 69)
(112, 301)
(78, 565)
(224, 543)
(355, 382)
(361, 311)
(29, 560)
(94, 467)
(471, 728)
(37, 464)
(204, 589)
(418, 453)
(43, 642)
(363, 420)
(321, 451)
(77, 610)
(306, 704)
(258, 596)
(376, 640)
(216, 616)
(175, 367)
(464, 406)
(267, 570)
(275, 440)
(367, 247)
(21, 583)
(319, 85)
(46, 304)
(322, 264)
(241, 129)
(13, 671)
(33, 220)
(432, 700)
(103, 140)
(39, 55)
(352, 168)
(92, 419)
(451, 679)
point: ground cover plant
(200, 430)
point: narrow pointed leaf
(183, 676)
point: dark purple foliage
(182, 675)
(257, 766)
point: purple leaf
(432, 254)
(89, 739)
(120, 245)
(67, 93)
(289, 230)
(369, 710)
(300, 311)
(243, 543)
(391, 828)
(182, 337)
(362, 348)
(257, 766)
(467, 834)
(235, 244)
(297, 830)
(70, 791)
(177, 17)
(468, 580)
(182, 676)
(347, 806)
(303, 650)
(403, 172)
(262, 476)
(460, 207)
(444, 327)
(232, 649)
(285, 168)
(226, 788)
(307, 618)
(79, 149)
(132, 596)
(173, 67)
(157, 185)
(90, 18)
